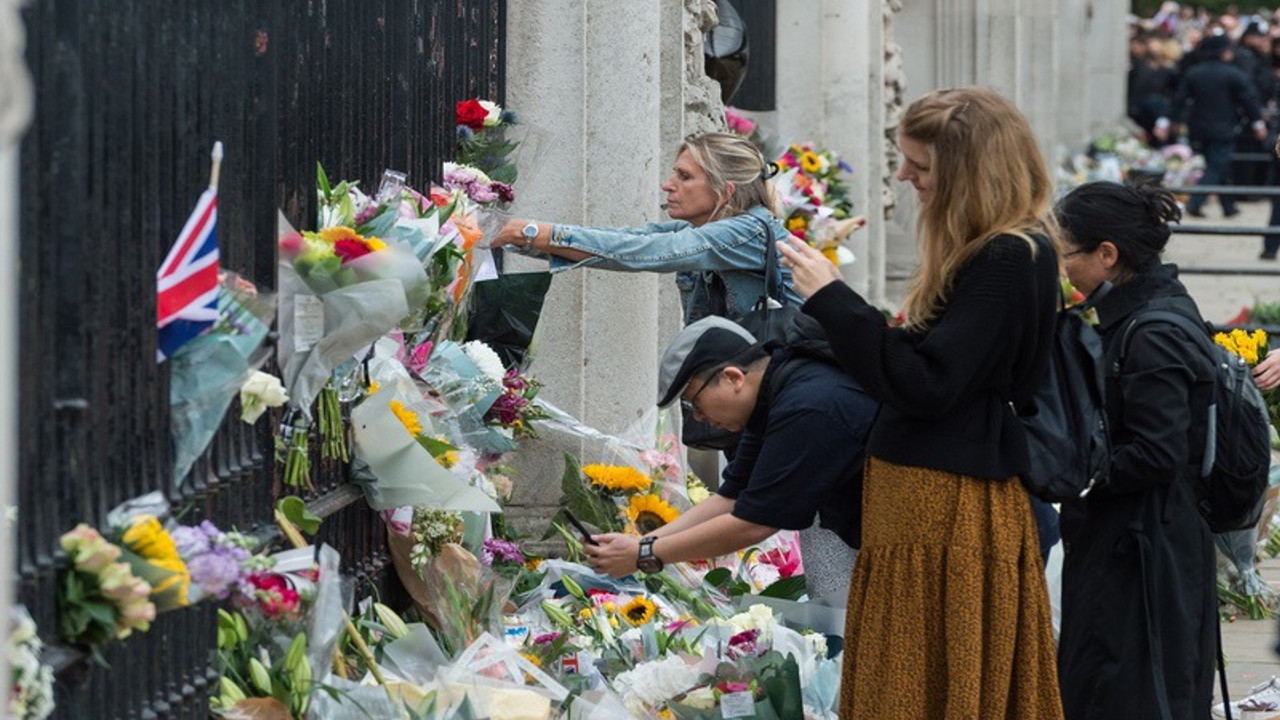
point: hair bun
(1161, 206)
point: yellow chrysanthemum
(407, 417)
(332, 235)
(148, 538)
(537, 661)
(150, 541)
(639, 611)
(1248, 346)
(650, 512)
(374, 244)
(797, 222)
(810, 162)
(532, 564)
(617, 478)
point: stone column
(607, 79)
(15, 112)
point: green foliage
(296, 512)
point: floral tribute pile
(380, 368)
(1120, 156)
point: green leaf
(436, 447)
(791, 588)
(323, 181)
(505, 174)
(718, 577)
(583, 502)
(296, 512)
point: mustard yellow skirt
(948, 610)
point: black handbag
(767, 324)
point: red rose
(471, 113)
(349, 249)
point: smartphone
(582, 529)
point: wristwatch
(647, 561)
(530, 232)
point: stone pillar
(15, 112)
(609, 80)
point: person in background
(1139, 607)
(1218, 93)
(948, 612)
(805, 424)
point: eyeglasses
(689, 405)
(1073, 253)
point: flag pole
(217, 165)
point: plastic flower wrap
(30, 680)
(206, 373)
(99, 598)
(339, 292)
(405, 448)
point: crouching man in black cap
(804, 426)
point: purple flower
(547, 638)
(505, 192)
(217, 573)
(501, 551)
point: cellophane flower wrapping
(332, 307)
(206, 374)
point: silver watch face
(530, 231)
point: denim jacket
(719, 266)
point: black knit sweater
(943, 390)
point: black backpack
(1237, 447)
(1065, 424)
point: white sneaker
(1262, 703)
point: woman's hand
(614, 554)
(512, 233)
(810, 270)
(1267, 374)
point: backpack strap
(1200, 335)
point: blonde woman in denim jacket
(724, 215)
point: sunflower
(650, 512)
(639, 611)
(407, 417)
(810, 162)
(617, 478)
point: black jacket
(1138, 600)
(942, 391)
(1219, 94)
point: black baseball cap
(701, 345)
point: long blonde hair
(988, 178)
(728, 158)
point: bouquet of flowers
(815, 199)
(30, 681)
(206, 373)
(99, 598)
(275, 647)
(220, 563)
(340, 291)
(404, 447)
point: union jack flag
(187, 282)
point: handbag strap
(770, 268)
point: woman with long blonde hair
(948, 612)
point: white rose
(260, 391)
(493, 113)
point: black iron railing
(130, 95)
